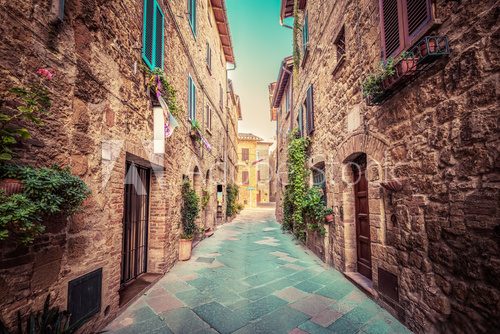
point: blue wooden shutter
(148, 33)
(310, 110)
(190, 98)
(301, 121)
(159, 36)
(194, 102)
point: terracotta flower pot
(407, 66)
(432, 47)
(11, 186)
(185, 246)
(329, 218)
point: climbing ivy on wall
(295, 194)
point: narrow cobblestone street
(251, 278)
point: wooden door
(135, 222)
(363, 242)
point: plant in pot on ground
(47, 192)
(189, 212)
(231, 197)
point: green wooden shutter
(153, 35)
(148, 33)
(159, 36)
(190, 93)
(192, 15)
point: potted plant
(195, 130)
(328, 215)
(428, 46)
(407, 64)
(189, 212)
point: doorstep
(362, 282)
(132, 291)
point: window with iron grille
(245, 154)
(319, 179)
(153, 35)
(192, 15)
(191, 99)
(402, 22)
(340, 45)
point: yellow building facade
(253, 170)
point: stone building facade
(101, 126)
(253, 170)
(413, 177)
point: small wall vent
(84, 296)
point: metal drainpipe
(285, 25)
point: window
(245, 154)
(244, 178)
(340, 45)
(300, 120)
(305, 33)
(209, 58)
(209, 12)
(152, 35)
(191, 99)
(288, 99)
(192, 15)
(401, 23)
(208, 118)
(60, 10)
(221, 97)
(258, 175)
(309, 106)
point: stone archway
(373, 147)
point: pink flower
(46, 73)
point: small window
(209, 12)
(191, 99)
(192, 15)
(208, 120)
(300, 120)
(244, 178)
(309, 107)
(60, 10)
(209, 58)
(221, 97)
(153, 35)
(258, 175)
(288, 99)
(340, 45)
(305, 33)
(319, 179)
(245, 154)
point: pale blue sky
(260, 44)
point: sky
(259, 44)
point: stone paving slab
(249, 277)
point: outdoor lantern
(158, 130)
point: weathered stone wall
(98, 95)
(440, 234)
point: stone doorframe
(375, 149)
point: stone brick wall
(440, 235)
(98, 96)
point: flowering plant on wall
(23, 104)
(158, 83)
